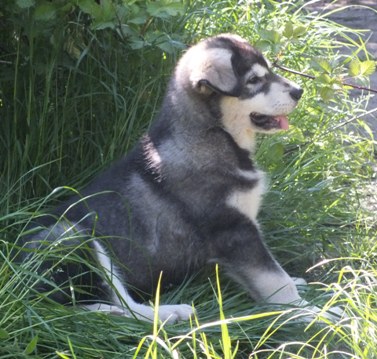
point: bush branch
(357, 87)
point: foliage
(80, 80)
(138, 22)
(69, 73)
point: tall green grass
(65, 117)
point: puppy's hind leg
(125, 305)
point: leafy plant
(81, 80)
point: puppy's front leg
(241, 251)
(267, 282)
(272, 285)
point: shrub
(80, 82)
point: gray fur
(175, 202)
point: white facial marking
(237, 122)
(236, 112)
(259, 70)
(276, 102)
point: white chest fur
(248, 201)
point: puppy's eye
(253, 80)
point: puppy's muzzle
(296, 93)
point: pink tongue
(283, 122)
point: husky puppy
(186, 196)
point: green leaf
(3, 334)
(354, 69)
(361, 68)
(164, 11)
(45, 11)
(272, 36)
(166, 47)
(322, 64)
(25, 4)
(263, 45)
(299, 31)
(368, 67)
(139, 20)
(326, 93)
(32, 345)
(108, 9)
(288, 30)
(324, 79)
(104, 16)
(137, 44)
(90, 7)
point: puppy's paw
(166, 313)
(334, 314)
(299, 281)
(104, 308)
(312, 312)
(175, 313)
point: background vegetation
(81, 80)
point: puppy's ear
(212, 71)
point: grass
(64, 120)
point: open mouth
(267, 122)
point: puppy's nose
(296, 93)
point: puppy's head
(251, 97)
